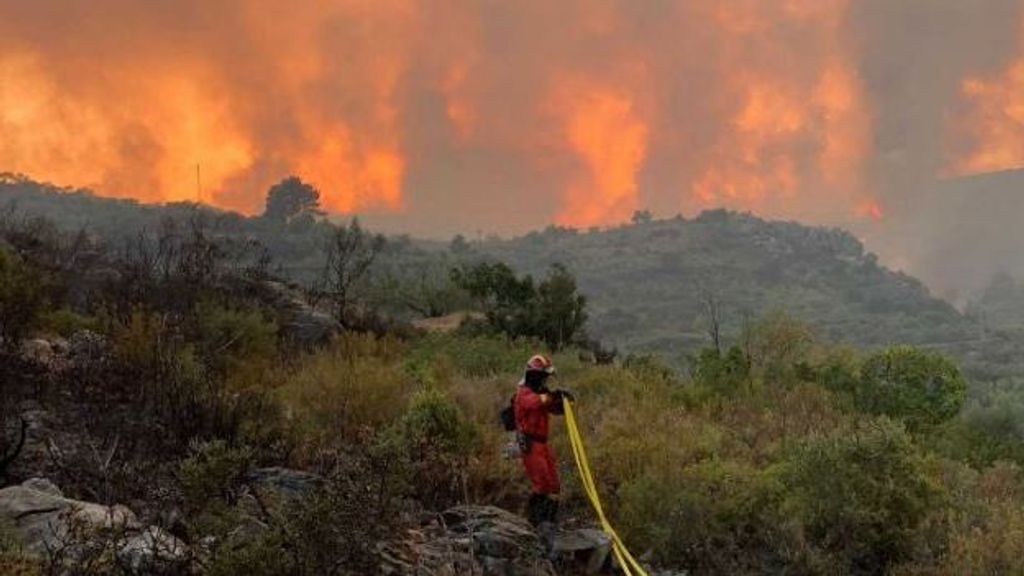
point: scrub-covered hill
(651, 283)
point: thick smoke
(443, 116)
(927, 65)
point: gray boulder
(582, 551)
(43, 485)
(51, 525)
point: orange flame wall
(987, 133)
(578, 112)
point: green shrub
(714, 517)
(236, 341)
(344, 394)
(433, 421)
(213, 471)
(838, 371)
(860, 496)
(774, 346)
(170, 384)
(920, 388)
(722, 374)
(437, 440)
(264, 555)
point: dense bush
(213, 472)
(714, 517)
(861, 497)
(437, 441)
(987, 532)
(921, 388)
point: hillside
(649, 284)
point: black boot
(550, 510)
(536, 509)
(547, 528)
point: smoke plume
(456, 115)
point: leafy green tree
(291, 198)
(722, 373)
(553, 310)
(919, 387)
(508, 302)
(562, 310)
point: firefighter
(533, 404)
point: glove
(565, 395)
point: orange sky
(458, 114)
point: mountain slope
(650, 283)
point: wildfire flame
(741, 103)
(603, 129)
(993, 124)
(791, 132)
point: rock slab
(50, 525)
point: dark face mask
(535, 380)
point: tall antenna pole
(199, 186)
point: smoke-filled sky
(459, 115)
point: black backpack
(508, 415)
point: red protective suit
(532, 412)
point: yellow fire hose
(626, 561)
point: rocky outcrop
(60, 529)
(298, 320)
